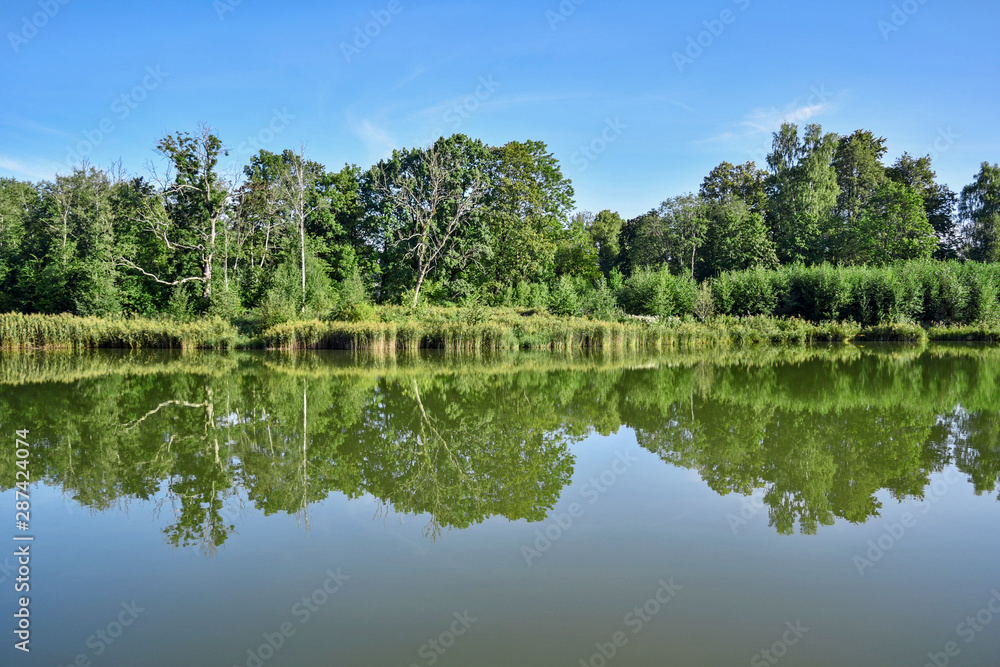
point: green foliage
(704, 302)
(469, 224)
(225, 301)
(918, 291)
(601, 301)
(737, 238)
(980, 208)
(179, 306)
(351, 300)
(893, 226)
(658, 294)
(803, 192)
(938, 200)
(285, 299)
(750, 292)
(565, 298)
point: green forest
(825, 231)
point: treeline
(461, 223)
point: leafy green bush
(658, 293)
(565, 298)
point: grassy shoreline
(461, 330)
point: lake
(822, 506)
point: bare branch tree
(195, 182)
(433, 210)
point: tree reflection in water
(461, 439)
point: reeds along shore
(451, 329)
(910, 301)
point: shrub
(565, 298)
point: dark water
(825, 507)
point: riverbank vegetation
(463, 245)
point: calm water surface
(823, 507)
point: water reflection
(820, 432)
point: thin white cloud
(411, 77)
(25, 170)
(378, 141)
(768, 120)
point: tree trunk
(416, 291)
(302, 243)
(207, 277)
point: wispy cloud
(22, 169)
(378, 141)
(415, 74)
(769, 119)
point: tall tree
(194, 202)
(860, 172)
(893, 227)
(525, 212)
(19, 203)
(803, 192)
(736, 238)
(605, 231)
(940, 202)
(298, 191)
(434, 195)
(980, 209)
(576, 254)
(744, 182)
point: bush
(565, 298)
(658, 293)
(600, 302)
(747, 293)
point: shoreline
(464, 330)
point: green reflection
(820, 430)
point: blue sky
(106, 80)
